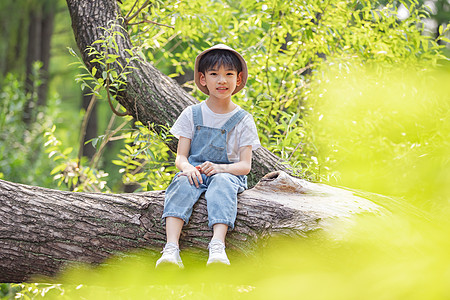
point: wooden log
(42, 230)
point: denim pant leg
(221, 198)
(180, 198)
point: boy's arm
(242, 167)
(182, 163)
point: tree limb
(43, 230)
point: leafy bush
(71, 170)
(21, 156)
(10, 291)
(146, 160)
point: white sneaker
(217, 253)
(170, 255)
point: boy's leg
(179, 200)
(216, 247)
(171, 251)
(220, 232)
(173, 229)
(221, 197)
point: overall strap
(197, 114)
(236, 118)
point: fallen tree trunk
(42, 230)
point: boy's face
(221, 81)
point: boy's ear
(239, 79)
(202, 78)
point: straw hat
(204, 89)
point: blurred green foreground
(380, 131)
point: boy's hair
(218, 58)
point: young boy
(216, 139)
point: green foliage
(146, 160)
(70, 170)
(108, 70)
(27, 291)
(283, 42)
(282, 51)
(443, 32)
(8, 290)
(21, 156)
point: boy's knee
(181, 193)
(227, 180)
(181, 182)
(223, 178)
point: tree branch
(151, 22)
(86, 117)
(127, 20)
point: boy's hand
(193, 174)
(208, 168)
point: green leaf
(111, 59)
(52, 153)
(67, 151)
(119, 163)
(71, 51)
(58, 169)
(129, 52)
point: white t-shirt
(243, 134)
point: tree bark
(40, 31)
(33, 55)
(43, 230)
(47, 26)
(150, 96)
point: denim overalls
(208, 144)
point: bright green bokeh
(387, 131)
(380, 258)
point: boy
(214, 154)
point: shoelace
(169, 249)
(216, 247)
